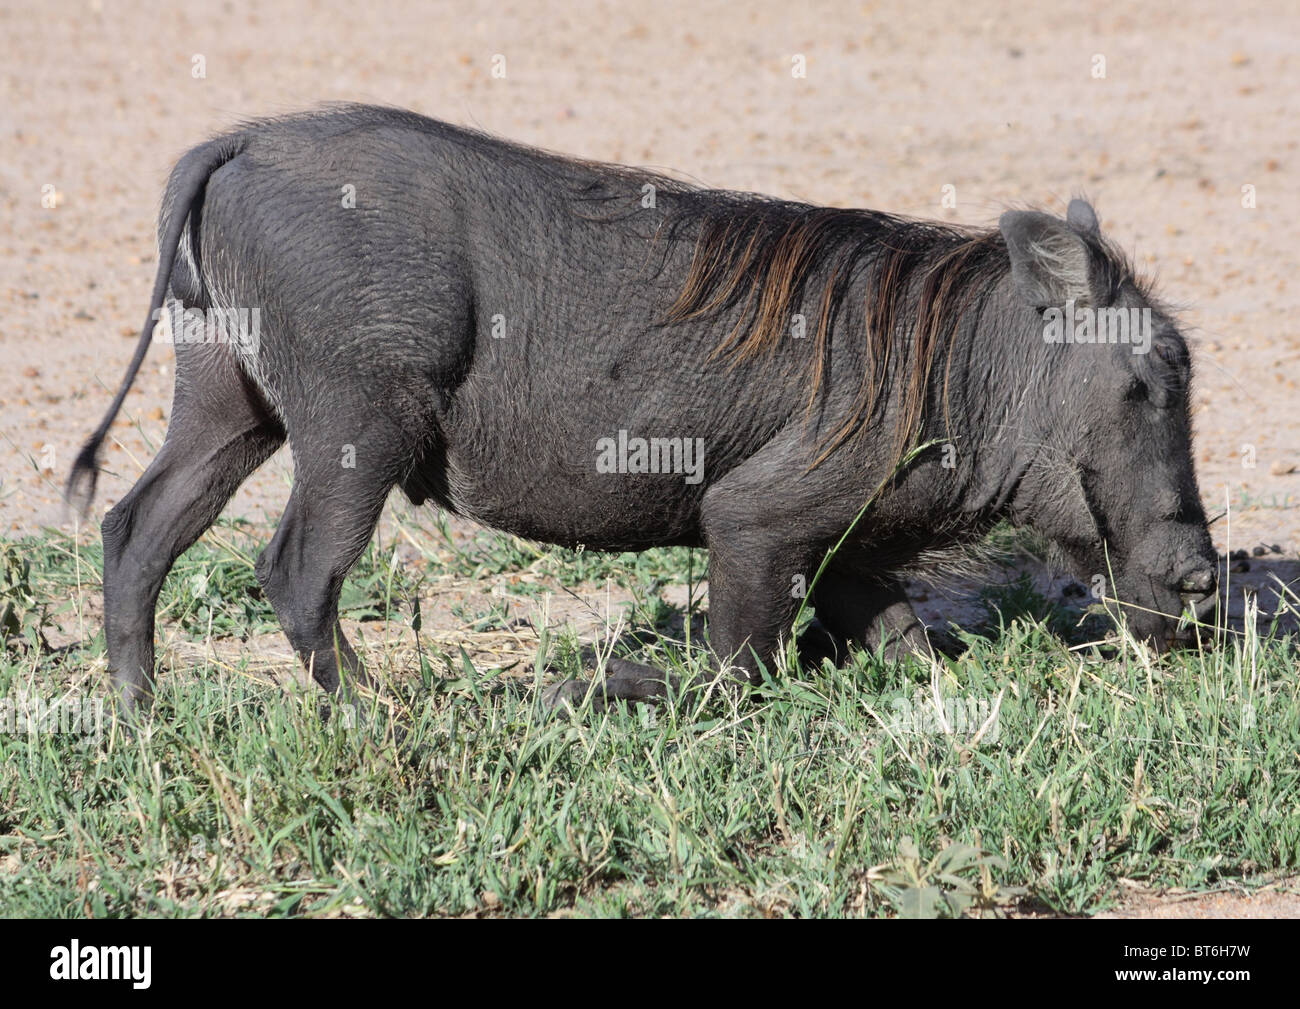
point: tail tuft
(80, 489)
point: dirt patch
(1280, 899)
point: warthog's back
(501, 306)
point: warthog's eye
(1170, 508)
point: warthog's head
(1110, 478)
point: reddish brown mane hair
(771, 258)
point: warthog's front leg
(872, 613)
(761, 548)
(624, 681)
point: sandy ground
(900, 100)
(1280, 899)
(1002, 102)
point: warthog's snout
(1199, 592)
(1199, 582)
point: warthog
(518, 336)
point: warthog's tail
(188, 181)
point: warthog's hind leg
(332, 512)
(219, 433)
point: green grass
(823, 792)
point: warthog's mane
(916, 279)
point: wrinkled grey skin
(377, 338)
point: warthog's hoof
(574, 692)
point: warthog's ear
(1050, 262)
(1082, 218)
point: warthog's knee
(277, 588)
(116, 529)
(263, 569)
